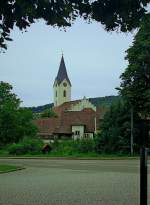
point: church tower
(62, 85)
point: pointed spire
(62, 72)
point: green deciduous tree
(135, 84)
(6, 96)
(116, 130)
(135, 90)
(113, 14)
(15, 122)
(48, 113)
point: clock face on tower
(65, 84)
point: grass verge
(8, 168)
(77, 156)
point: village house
(75, 119)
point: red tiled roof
(66, 119)
(70, 118)
(47, 126)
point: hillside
(104, 101)
(98, 101)
(41, 108)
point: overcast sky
(94, 61)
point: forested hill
(104, 101)
(41, 108)
(98, 101)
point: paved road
(71, 182)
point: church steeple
(62, 72)
(62, 85)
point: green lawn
(8, 168)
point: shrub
(63, 147)
(84, 145)
(70, 147)
(16, 149)
(26, 146)
(48, 113)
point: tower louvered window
(64, 93)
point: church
(75, 119)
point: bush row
(70, 147)
(61, 147)
(64, 147)
(26, 146)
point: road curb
(74, 158)
(12, 170)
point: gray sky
(93, 57)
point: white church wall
(59, 97)
(85, 103)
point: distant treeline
(106, 101)
(98, 101)
(41, 108)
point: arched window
(64, 93)
(56, 93)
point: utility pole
(95, 125)
(143, 176)
(144, 127)
(131, 145)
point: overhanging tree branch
(123, 15)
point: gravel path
(71, 182)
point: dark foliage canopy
(124, 15)
(135, 84)
(116, 130)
